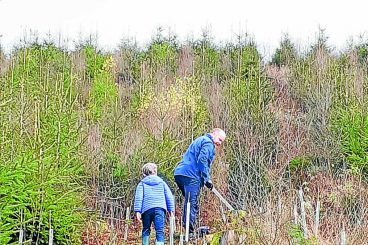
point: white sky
(266, 20)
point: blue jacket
(153, 192)
(197, 160)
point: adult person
(193, 172)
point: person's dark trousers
(157, 216)
(189, 187)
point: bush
(351, 126)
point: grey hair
(219, 131)
(149, 169)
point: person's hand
(209, 185)
(139, 217)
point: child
(152, 199)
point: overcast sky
(266, 20)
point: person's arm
(203, 161)
(138, 200)
(169, 197)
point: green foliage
(184, 97)
(285, 54)
(362, 50)
(248, 60)
(248, 90)
(119, 176)
(352, 126)
(94, 60)
(321, 44)
(301, 168)
(103, 95)
(39, 164)
(208, 58)
(162, 55)
(22, 191)
(216, 239)
(2, 55)
(142, 97)
(129, 70)
(297, 236)
(195, 108)
(166, 155)
(247, 95)
(299, 164)
(39, 63)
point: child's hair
(149, 169)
